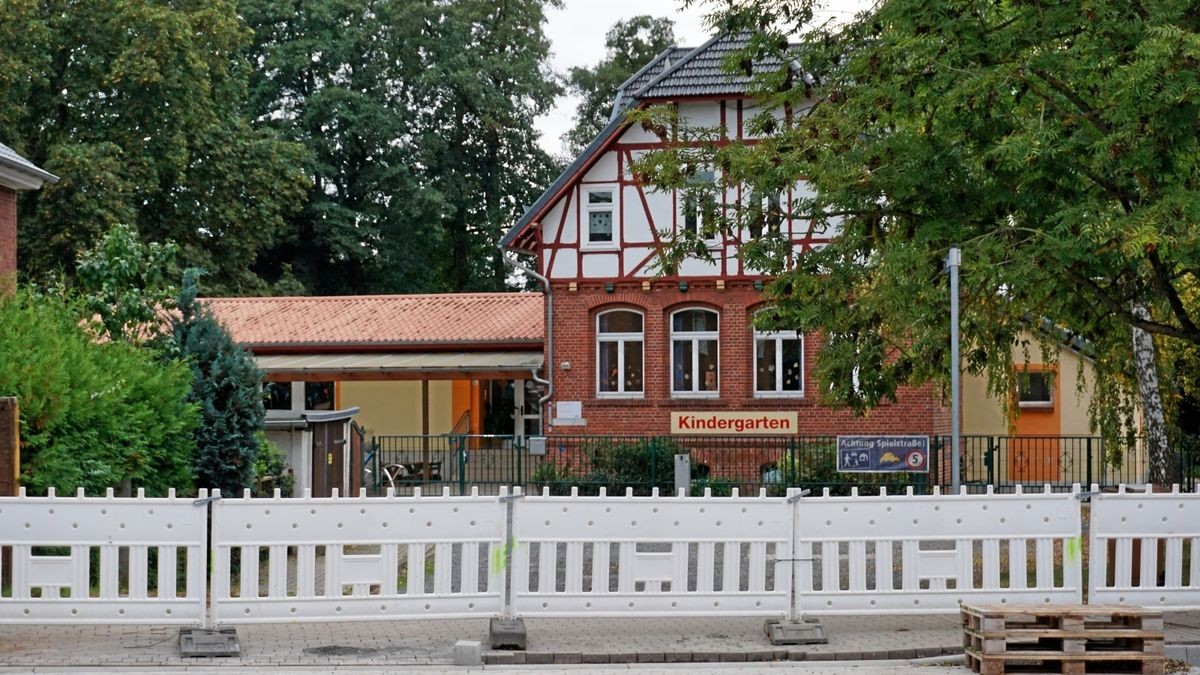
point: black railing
(461, 462)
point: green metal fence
(461, 462)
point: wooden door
(329, 460)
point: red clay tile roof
(375, 321)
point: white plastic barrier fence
(651, 556)
(357, 558)
(929, 553)
(66, 553)
(1145, 548)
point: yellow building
(1049, 437)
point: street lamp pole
(953, 260)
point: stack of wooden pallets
(1002, 639)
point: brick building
(631, 351)
(16, 173)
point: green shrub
(718, 486)
(548, 474)
(94, 414)
(638, 463)
(271, 471)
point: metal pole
(953, 260)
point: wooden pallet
(1001, 639)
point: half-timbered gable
(632, 346)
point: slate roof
(418, 321)
(676, 72)
(9, 158)
(701, 72)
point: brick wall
(8, 236)
(918, 410)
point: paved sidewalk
(407, 644)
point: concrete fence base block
(507, 634)
(468, 653)
(784, 632)
(195, 642)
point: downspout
(548, 382)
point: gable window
(778, 363)
(619, 340)
(1034, 390)
(599, 205)
(694, 343)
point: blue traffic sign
(883, 454)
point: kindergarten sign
(734, 423)
(883, 454)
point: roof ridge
(649, 64)
(378, 296)
(679, 63)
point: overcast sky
(577, 34)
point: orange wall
(1041, 421)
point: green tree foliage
(227, 389)
(418, 116)
(135, 105)
(484, 79)
(127, 285)
(94, 413)
(631, 44)
(1055, 142)
(340, 77)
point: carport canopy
(399, 366)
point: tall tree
(630, 43)
(339, 76)
(1055, 142)
(419, 118)
(136, 105)
(227, 389)
(485, 79)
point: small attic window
(599, 209)
(1034, 390)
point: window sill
(778, 394)
(601, 246)
(705, 395)
(1036, 405)
(619, 396)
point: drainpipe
(548, 382)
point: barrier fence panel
(358, 558)
(930, 553)
(651, 556)
(104, 560)
(1145, 548)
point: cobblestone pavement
(563, 642)
(846, 668)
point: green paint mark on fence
(498, 555)
(1074, 549)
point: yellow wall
(394, 408)
(983, 415)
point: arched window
(695, 339)
(778, 363)
(619, 339)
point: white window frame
(694, 337)
(1047, 404)
(585, 224)
(620, 339)
(778, 336)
